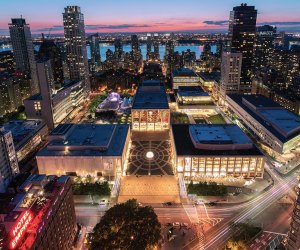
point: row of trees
(127, 226)
(207, 189)
(89, 188)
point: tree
(127, 226)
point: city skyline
(159, 17)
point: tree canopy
(127, 226)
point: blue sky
(155, 15)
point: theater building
(184, 77)
(150, 109)
(205, 150)
(85, 149)
(274, 125)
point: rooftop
(279, 121)
(184, 72)
(259, 101)
(210, 76)
(191, 91)
(35, 97)
(150, 95)
(86, 140)
(218, 134)
(207, 139)
(22, 129)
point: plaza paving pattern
(142, 162)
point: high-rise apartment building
(8, 159)
(118, 48)
(149, 45)
(51, 51)
(23, 51)
(135, 46)
(230, 73)
(95, 51)
(156, 46)
(169, 56)
(242, 32)
(264, 46)
(76, 45)
(136, 53)
(293, 242)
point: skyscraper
(264, 46)
(149, 45)
(23, 51)
(135, 46)
(95, 51)
(170, 56)
(136, 53)
(76, 45)
(118, 48)
(293, 242)
(230, 73)
(8, 159)
(51, 51)
(242, 31)
(156, 46)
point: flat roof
(150, 95)
(283, 119)
(22, 129)
(279, 121)
(86, 140)
(218, 134)
(35, 97)
(184, 72)
(260, 101)
(191, 91)
(184, 145)
(210, 76)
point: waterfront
(127, 48)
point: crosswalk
(211, 221)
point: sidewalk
(240, 194)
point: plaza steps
(150, 189)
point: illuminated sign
(19, 228)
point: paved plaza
(149, 189)
(150, 158)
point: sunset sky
(147, 15)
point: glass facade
(216, 166)
(150, 120)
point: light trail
(262, 202)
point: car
(176, 224)
(140, 204)
(184, 224)
(212, 203)
(102, 202)
(198, 202)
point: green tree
(127, 226)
